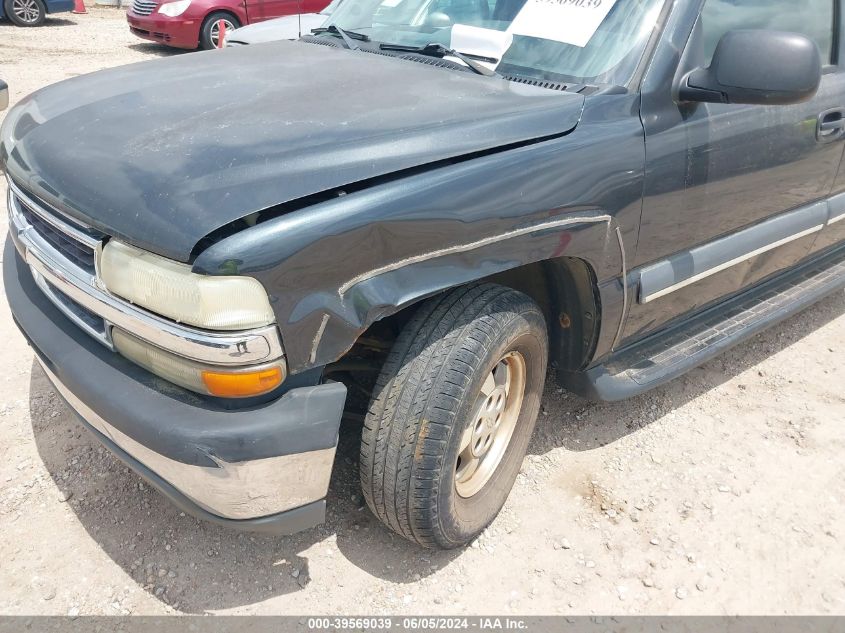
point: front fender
(334, 268)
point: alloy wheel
(26, 10)
(214, 33)
(485, 440)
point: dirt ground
(721, 493)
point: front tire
(452, 413)
(25, 12)
(210, 30)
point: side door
(313, 6)
(260, 10)
(733, 193)
(833, 235)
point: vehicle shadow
(581, 432)
(53, 21)
(196, 567)
(49, 20)
(159, 50)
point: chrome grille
(76, 252)
(144, 7)
(73, 242)
(92, 323)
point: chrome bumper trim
(243, 490)
(217, 348)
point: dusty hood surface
(162, 153)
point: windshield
(331, 8)
(584, 41)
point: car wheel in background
(25, 12)
(452, 413)
(210, 31)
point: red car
(197, 23)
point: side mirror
(757, 67)
(4, 95)
(438, 20)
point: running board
(674, 351)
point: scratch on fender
(317, 337)
(470, 247)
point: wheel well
(228, 12)
(565, 289)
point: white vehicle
(289, 27)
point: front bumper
(265, 468)
(180, 32)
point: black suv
(403, 219)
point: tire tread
(415, 400)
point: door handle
(831, 125)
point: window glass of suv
(610, 56)
(813, 18)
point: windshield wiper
(347, 36)
(438, 50)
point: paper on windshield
(474, 40)
(567, 21)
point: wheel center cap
(491, 414)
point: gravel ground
(720, 493)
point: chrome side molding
(688, 267)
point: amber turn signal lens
(242, 384)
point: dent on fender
(336, 267)
(449, 274)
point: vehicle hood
(286, 28)
(162, 153)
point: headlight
(172, 9)
(171, 290)
(227, 383)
